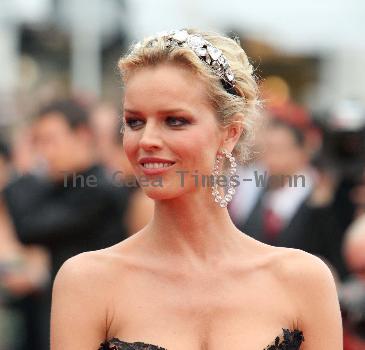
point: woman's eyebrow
(173, 110)
(163, 111)
(131, 111)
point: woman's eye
(176, 121)
(133, 122)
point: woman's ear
(232, 132)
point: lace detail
(291, 340)
(116, 344)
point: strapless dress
(290, 340)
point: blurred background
(60, 96)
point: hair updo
(226, 104)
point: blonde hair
(243, 108)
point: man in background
(289, 210)
(68, 205)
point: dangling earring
(227, 197)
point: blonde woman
(190, 280)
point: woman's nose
(151, 137)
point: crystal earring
(224, 199)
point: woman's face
(171, 130)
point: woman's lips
(156, 170)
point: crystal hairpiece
(208, 53)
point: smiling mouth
(157, 165)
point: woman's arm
(23, 269)
(79, 311)
(314, 291)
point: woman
(190, 280)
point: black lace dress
(290, 340)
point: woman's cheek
(130, 146)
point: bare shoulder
(311, 286)
(88, 268)
(81, 302)
(97, 269)
(85, 279)
(299, 269)
(96, 266)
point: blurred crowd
(305, 189)
(66, 187)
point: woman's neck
(193, 225)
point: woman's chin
(161, 193)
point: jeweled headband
(208, 53)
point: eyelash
(131, 122)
